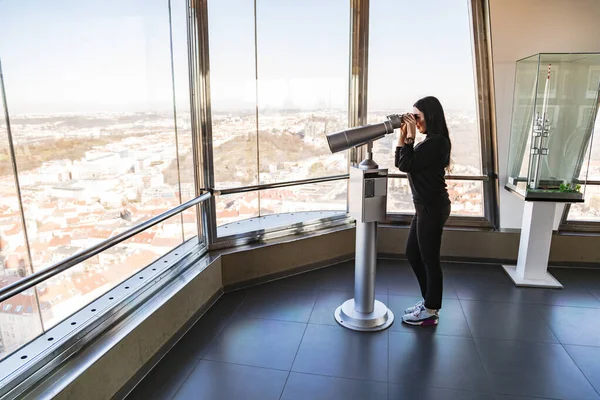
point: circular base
(381, 318)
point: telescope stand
(367, 202)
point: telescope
(367, 203)
(353, 137)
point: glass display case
(554, 109)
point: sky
(114, 55)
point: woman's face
(421, 125)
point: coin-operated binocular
(367, 203)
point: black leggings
(423, 251)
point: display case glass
(554, 111)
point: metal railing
(275, 185)
(47, 273)
(41, 276)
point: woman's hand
(407, 129)
(411, 126)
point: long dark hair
(435, 119)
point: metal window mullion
(358, 76)
(200, 82)
(482, 50)
(196, 150)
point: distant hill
(235, 160)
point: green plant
(568, 188)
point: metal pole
(13, 156)
(365, 266)
(367, 193)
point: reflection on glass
(594, 169)
(19, 319)
(326, 196)
(19, 316)
(466, 197)
(320, 200)
(590, 209)
(94, 129)
(183, 121)
(399, 77)
(302, 87)
(73, 289)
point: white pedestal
(534, 247)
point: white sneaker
(421, 317)
(412, 309)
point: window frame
(357, 116)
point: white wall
(521, 28)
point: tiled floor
(494, 341)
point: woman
(425, 165)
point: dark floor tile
(485, 288)
(533, 369)
(285, 304)
(421, 360)
(473, 269)
(401, 281)
(341, 277)
(452, 319)
(558, 297)
(511, 321)
(198, 338)
(222, 381)
(167, 377)
(578, 278)
(573, 325)
(315, 387)
(503, 397)
(257, 342)
(329, 300)
(588, 361)
(336, 351)
(400, 392)
(304, 281)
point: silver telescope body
(353, 137)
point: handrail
(484, 178)
(47, 273)
(276, 185)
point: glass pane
(233, 92)
(555, 103)
(280, 207)
(14, 260)
(590, 209)
(325, 196)
(567, 94)
(440, 63)
(302, 87)
(94, 128)
(235, 207)
(73, 289)
(594, 169)
(466, 197)
(19, 320)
